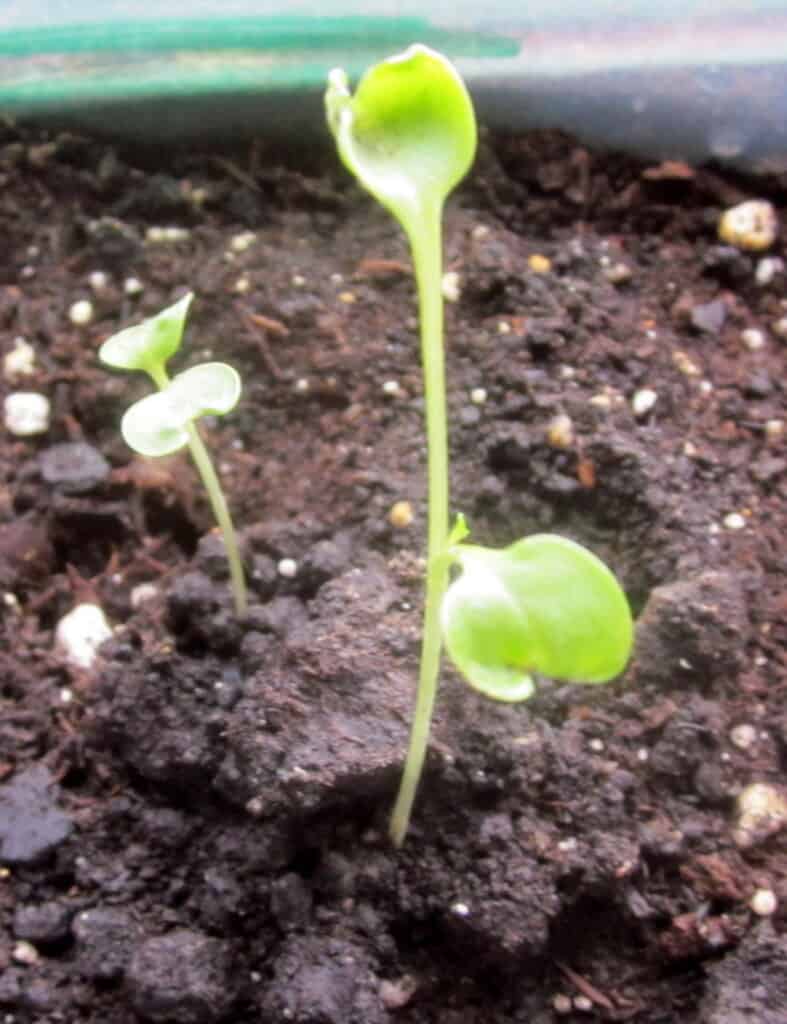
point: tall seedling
(545, 604)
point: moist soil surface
(194, 828)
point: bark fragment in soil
(319, 981)
(749, 986)
(32, 825)
(183, 977)
(693, 630)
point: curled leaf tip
(408, 133)
(148, 346)
(338, 83)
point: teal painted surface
(62, 67)
(278, 33)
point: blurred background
(683, 79)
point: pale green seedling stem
(204, 464)
(409, 136)
(426, 244)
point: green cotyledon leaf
(545, 604)
(157, 425)
(148, 346)
(408, 133)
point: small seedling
(164, 422)
(545, 604)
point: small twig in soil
(84, 590)
(73, 427)
(381, 268)
(586, 987)
(235, 172)
(269, 324)
(260, 326)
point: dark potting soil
(194, 829)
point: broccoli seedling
(545, 604)
(164, 422)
